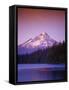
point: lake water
(38, 72)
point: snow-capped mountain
(39, 42)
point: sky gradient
(32, 22)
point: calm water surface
(38, 72)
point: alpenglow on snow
(39, 42)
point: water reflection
(38, 72)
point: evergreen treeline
(54, 54)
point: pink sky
(32, 22)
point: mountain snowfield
(39, 42)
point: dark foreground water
(38, 72)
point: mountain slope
(39, 42)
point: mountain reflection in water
(39, 72)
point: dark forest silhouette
(50, 55)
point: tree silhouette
(52, 55)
